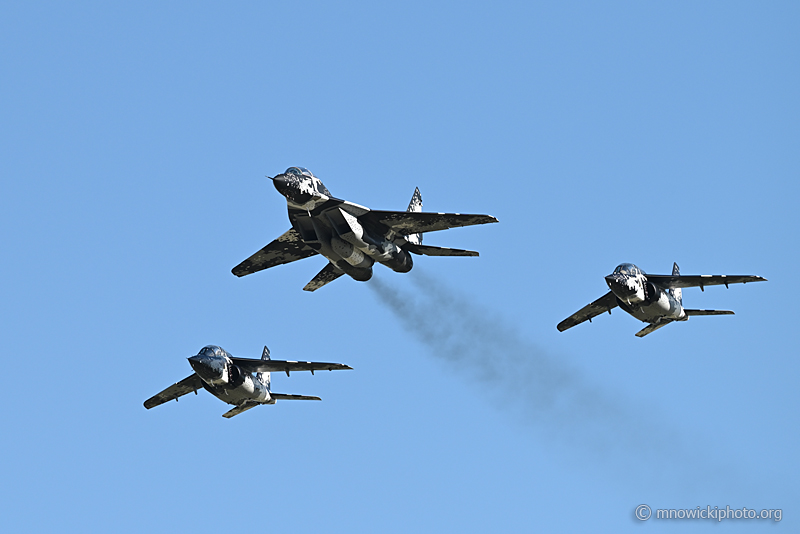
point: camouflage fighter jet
(351, 237)
(652, 298)
(231, 379)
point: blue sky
(133, 149)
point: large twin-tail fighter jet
(352, 238)
(231, 379)
(652, 298)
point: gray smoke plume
(517, 375)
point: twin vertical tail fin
(415, 206)
(677, 294)
(265, 377)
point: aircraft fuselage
(641, 298)
(223, 379)
(331, 227)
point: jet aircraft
(652, 298)
(231, 379)
(352, 237)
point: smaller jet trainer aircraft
(231, 379)
(652, 298)
(352, 238)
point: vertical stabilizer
(415, 206)
(678, 292)
(265, 377)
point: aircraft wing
(286, 396)
(250, 365)
(606, 303)
(187, 385)
(676, 281)
(411, 222)
(691, 313)
(287, 248)
(427, 250)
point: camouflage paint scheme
(232, 380)
(652, 298)
(353, 238)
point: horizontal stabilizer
(426, 250)
(417, 222)
(689, 280)
(284, 396)
(249, 365)
(287, 248)
(328, 274)
(187, 385)
(649, 329)
(606, 303)
(246, 405)
(708, 312)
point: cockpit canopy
(628, 268)
(316, 182)
(212, 350)
(300, 171)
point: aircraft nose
(203, 367)
(290, 187)
(197, 362)
(281, 184)
(616, 281)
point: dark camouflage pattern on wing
(606, 303)
(266, 366)
(285, 396)
(425, 250)
(701, 280)
(404, 222)
(188, 385)
(287, 248)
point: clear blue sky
(134, 141)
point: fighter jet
(351, 237)
(231, 379)
(652, 298)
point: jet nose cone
(197, 362)
(280, 184)
(292, 188)
(206, 367)
(617, 283)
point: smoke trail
(519, 376)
